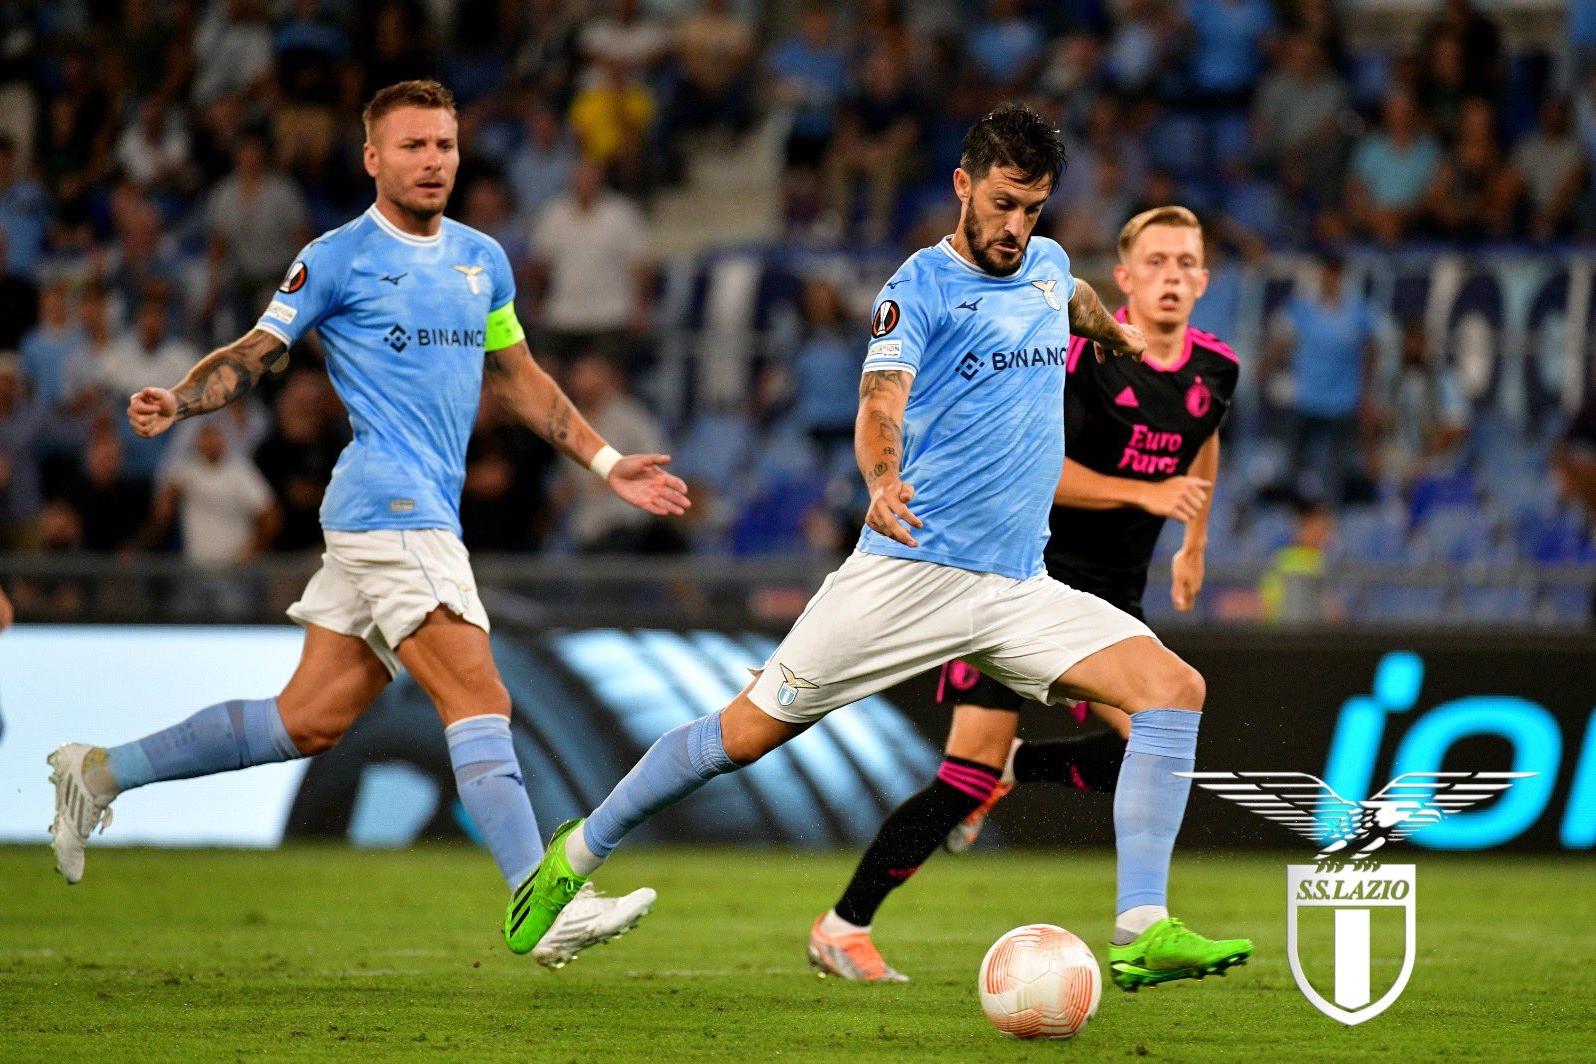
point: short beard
(420, 214)
(978, 251)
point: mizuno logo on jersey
(394, 279)
(1049, 290)
(970, 305)
(472, 273)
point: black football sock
(914, 829)
(1085, 762)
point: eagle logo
(471, 275)
(1350, 832)
(791, 684)
(1049, 290)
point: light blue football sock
(680, 761)
(488, 777)
(1150, 801)
(219, 738)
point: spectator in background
(597, 525)
(83, 372)
(504, 504)
(1471, 196)
(825, 394)
(398, 47)
(153, 150)
(714, 50)
(256, 221)
(1103, 137)
(1550, 169)
(110, 502)
(147, 354)
(1479, 38)
(1423, 414)
(1297, 120)
(591, 272)
(1392, 171)
(546, 60)
(225, 508)
(19, 303)
(1140, 46)
(877, 134)
(143, 259)
(611, 118)
(298, 454)
(232, 51)
(540, 168)
(24, 214)
(627, 37)
(1293, 590)
(1228, 41)
(1326, 339)
(21, 429)
(805, 76)
(1091, 221)
(1447, 83)
(1006, 48)
(46, 347)
(487, 208)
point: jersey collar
(946, 245)
(1123, 314)
(399, 234)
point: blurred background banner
(1356, 710)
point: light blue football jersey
(983, 434)
(403, 320)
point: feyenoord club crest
(1357, 894)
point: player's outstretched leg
(1149, 946)
(219, 738)
(679, 763)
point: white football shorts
(379, 586)
(877, 621)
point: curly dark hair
(1014, 137)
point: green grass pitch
(311, 953)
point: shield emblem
(1353, 898)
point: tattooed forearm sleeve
(1089, 318)
(534, 397)
(878, 429)
(227, 373)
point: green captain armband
(504, 328)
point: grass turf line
(320, 952)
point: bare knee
(1182, 688)
(748, 733)
(312, 736)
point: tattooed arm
(1089, 318)
(220, 377)
(878, 447)
(537, 399)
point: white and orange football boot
(965, 832)
(849, 956)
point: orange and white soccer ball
(1040, 981)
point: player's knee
(312, 737)
(1183, 688)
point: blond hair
(1168, 215)
(423, 93)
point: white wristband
(604, 461)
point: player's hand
(641, 480)
(1131, 342)
(152, 411)
(1179, 497)
(1187, 570)
(889, 510)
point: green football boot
(538, 901)
(1168, 950)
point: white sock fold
(1139, 918)
(832, 924)
(584, 862)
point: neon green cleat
(1168, 950)
(539, 900)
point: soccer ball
(1039, 981)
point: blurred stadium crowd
(162, 162)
